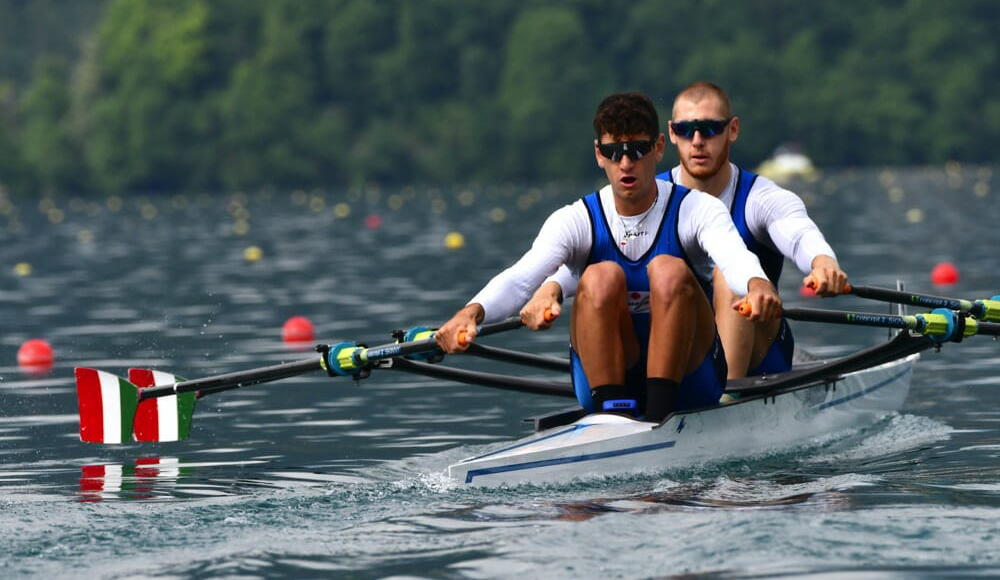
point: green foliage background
(213, 95)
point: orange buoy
(35, 353)
(944, 274)
(297, 329)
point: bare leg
(746, 343)
(601, 326)
(682, 326)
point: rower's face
(700, 155)
(630, 178)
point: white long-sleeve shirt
(705, 231)
(776, 217)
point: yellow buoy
(454, 241)
(253, 254)
(915, 215)
(22, 269)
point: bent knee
(600, 282)
(670, 276)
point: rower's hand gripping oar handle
(984, 309)
(348, 358)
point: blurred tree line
(139, 95)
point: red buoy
(944, 274)
(373, 222)
(297, 329)
(35, 353)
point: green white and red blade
(161, 419)
(111, 413)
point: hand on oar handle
(761, 302)
(540, 319)
(826, 278)
(544, 307)
(460, 331)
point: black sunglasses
(707, 127)
(634, 149)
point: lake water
(320, 477)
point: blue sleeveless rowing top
(604, 248)
(770, 260)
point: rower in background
(772, 221)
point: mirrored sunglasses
(707, 127)
(634, 149)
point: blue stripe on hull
(563, 460)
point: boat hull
(607, 444)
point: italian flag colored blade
(98, 479)
(107, 406)
(161, 419)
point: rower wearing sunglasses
(642, 333)
(772, 221)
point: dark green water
(319, 477)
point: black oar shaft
(286, 370)
(988, 328)
(901, 297)
(840, 317)
(496, 381)
(940, 325)
(236, 379)
(517, 357)
(985, 309)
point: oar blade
(107, 406)
(161, 419)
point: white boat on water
(814, 400)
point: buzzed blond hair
(695, 92)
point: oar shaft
(236, 379)
(343, 359)
(982, 309)
(855, 318)
(517, 357)
(940, 325)
(901, 297)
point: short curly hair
(626, 114)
